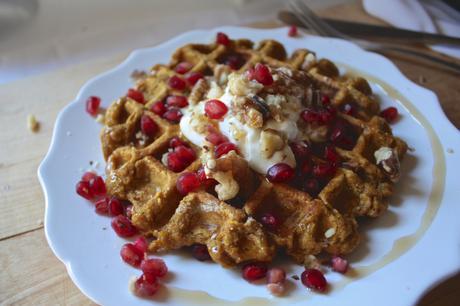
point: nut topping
(388, 160)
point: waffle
(309, 224)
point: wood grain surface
(29, 272)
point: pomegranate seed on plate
(185, 153)
(200, 252)
(311, 186)
(270, 221)
(310, 116)
(276, 275)
(102, 206)
(154, 267)
(349, 109)
(141, 244)
(300, 149)
(339, 264)
(97, 186)
(215, 109)
(83, 190)
(331, 154)
(193, 77)
(222, 39)
(175, 163)
(183, 67)
(254, 271)
(123, 226)
(207, 182)
(216, 138)
(131, 255)
(234, 62)
(177, 101)
(279, 173)
(325, 100)
(389, 114)
(173, 114)
(327, 115)
(187, 182)
(305, 167)
(136, 95)
(176, 141)
(314, 279)
(224, 148)
(144, 287)
(92, 105)
(292, 32)
(115, 207)
(158, 108)
(177, 83)
(324, 170)
(88, 175)
(262, 74)
(148, 126)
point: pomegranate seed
(92, 105)
(324, 170)
(158, 108)
(154, 267)
(200, 252)
(207, 182)
(305, 167)
(177, 101)
(222, 39)
(83, 190)
(262, 75)
(148, 126)
(183, 67)
(123, 226)
(175, 163)
(339, 264)
(349, 109)
(185, 153)
(177, 83)
(327, 115)
(176, 141)
(131, 255)
(216, 138)
(389, 114)
(115, 207)
(331, 154)
(88, 175)
(146, 288)
(270, 221)
(276, 288)
(310, 116)
(314, 279)
(224, 148)
(215, 109)
(254, 271)
(193, 77)
(342, 138)
(102, 206)
(311, 186)
(97, 186)
(141, 244)
(187, 182)
(173, 114)
(279, 173)
(300, 149)
(276, 275)
(136, 95)
(292, 31)
(325, 100)
(234, 61)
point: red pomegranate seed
(254, 271)
(306, 167)
(215, 109)
(154, 267)
(325, 100)
(200, 252)
(83, 190)
(342, 138)
(314, 279)
(234, 62)
(270, 221)
(158, 108)
(339, 264)
(300, 149)
(193, 77)
(324, 170)
(131, 255)
(177, 83)
(276, 275)
(148, 126)
(92, 105)
(310, 116)
(292, 31)
(146, 288)
(185, 153)
(175, 163)
(123, 226)
(176, 141)
(389, 114)
(279, 173)
(88, 175)
(207, 182)
(327, 115)
(183, 67)
(97, 186)
(115, 207)
(222, 39)
(262, 74)
(331, 154)
(224, 148)
(173, 114)
(177, 101)
(141, 244)
(187, 182)
(216, 138)
(349, 109)
(136, 95)
(102, 206)
(311, 186)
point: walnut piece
(270, 142)
(387, 159)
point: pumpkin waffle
(309, 220)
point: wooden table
(30, 273)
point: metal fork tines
(318, 26)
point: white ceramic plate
(403, 253)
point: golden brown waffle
(309, 224)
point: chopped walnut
(198, 92)
(239, 85)
(221, 73)
(312, 262)
(255, 118)
(387, 159)
(227, 188)
(270, 142)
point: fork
(305, 15)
